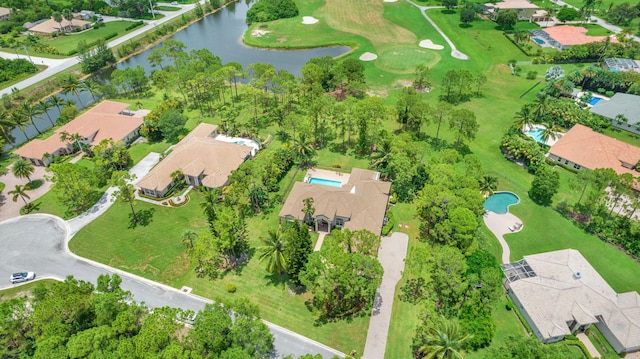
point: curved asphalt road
(38, 243)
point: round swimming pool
(499, 202)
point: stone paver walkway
(587, 343)
(499, 225)
(391, 255)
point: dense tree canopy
(269, 10)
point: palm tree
(56, 101)
(68, 15)
(524, 118)
(20, 191)
(549, 131)
(44, 106)
(57, 17)
(209, 207)
(303, 149)
(540, 105)
(273, 252)
(189, 237)
(488, 184)
(6, 126)
(31, 112)
(20, 120)
(71, 85)
(93, 88)
(22, 169)
(308, 209)
(444, 341)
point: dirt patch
(382, 93)
(403, 83)
(282, 39)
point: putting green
(404, 59)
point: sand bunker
(390, 0)
(259, 33)
(368, 56)
(309, 20)
(428, 44)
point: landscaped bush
(269, 10)
(134, 25)
(231, 288)
(111, 36)
(390, 223)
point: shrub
(231, 288)
(509, 305)
(111, 36)
(532, 75)
(134, 25)
(390, 223)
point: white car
(22, 277)
(174, 3)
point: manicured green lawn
(167, 8)
(140, 150)
(66, 44)
(596, 30)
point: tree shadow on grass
(144, 218)
(276, 279)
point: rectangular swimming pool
(325, 182)
(594, 100)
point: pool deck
(341, 177)
(501, 224)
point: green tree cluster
(92, 60)
(74, 319)
(269, 10)
(151, 128)
(342, 276)
(10, 69)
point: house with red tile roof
(564, 36)
(107, 120)
(581, 147)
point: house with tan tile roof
(525, 9)
(559, 293)
(581, 147)
(355, 201)
(201, 159)
(106, 120)
(564, 36)
(50, 26)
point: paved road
(39, 243)
(61, 65)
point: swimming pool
(536, 133)
(539, 41)
(325, 182)
(499, 202)
(594, 100)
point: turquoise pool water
(594, 100)
(499, 202)
(539, 41)
(536, 133)
(324, 182)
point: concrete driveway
(38, 243)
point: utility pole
(29, 56)
(152, 12)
